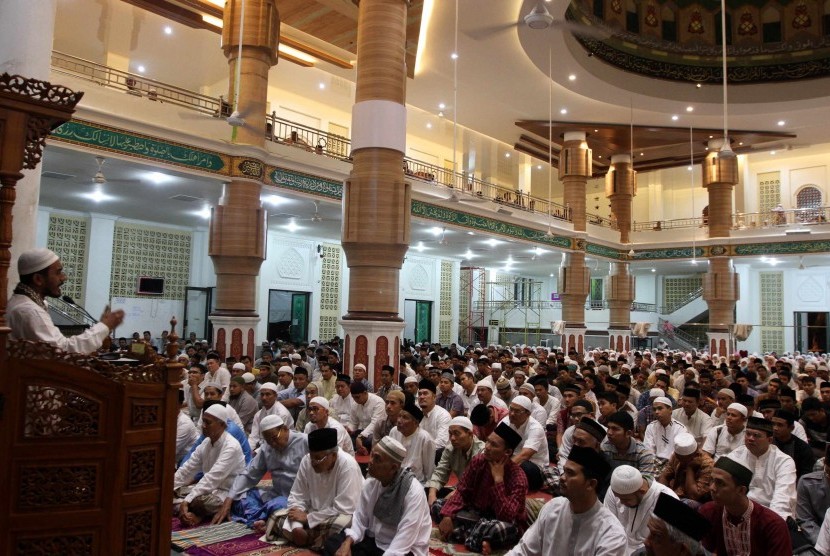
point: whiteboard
(143, 313)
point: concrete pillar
(238, 222)
(619, 292)
(574, 276)
(720, 285)
(26, 33)
(376, 202)
(98, 279)
(620, 188)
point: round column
(620, 188)
(619, 291)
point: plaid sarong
(274, 531)
(474, 533)
(209, 534)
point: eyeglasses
(318, 461)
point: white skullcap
(727, 392)
(496, 366)
(528, 387)
(238, 367)
(392, 448)
(656, 393)
(462, 422)
(270, 422)
(269, 386)
(518, 372)
(285, 369)
(626, 480)
(212, 385)
(248, 378)
(685, 444)
(411, 380)
(360, 366)
(295, 356)
(219, 411)
(523, 401)
(321, 401)
(738, 407)
(486, 382)
(663, 400)
(34, 260)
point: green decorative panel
(445, 304)
(771, 299)
(307, 183)
(145, 251)
(69, 237)
(603, 251)
(110, 139)
(783, 248)
(330, 291)
(485, 224)
(673, 253)
(769, 191)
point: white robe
(420, 452)
(635, 520)
(220, 461)
(341, 408)
(698, 425)
(255, 438)
(186, 435)
(558, 531)
(29, 321)
(325, 495)
(437, 424)
(343, 438)
(533, 438)
(773, 479)
(411, 534)
(719, 442)
(655, 432)
(364, 417)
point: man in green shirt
(455, 458)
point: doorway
(288, 316)
(811, 332)
(198, 305)
(418, 317)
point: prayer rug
(437, 547)
(209, 534)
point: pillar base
(619, 339)
(720, 343)
(574, 338)
(234, 336)
(374, 343)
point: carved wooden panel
(220, 342)
(145, 413)
(347, 362)
(381, 357)
(51, 486)
(59, 412)
(250, 345)
(361, 350)
(139, 533)
(65, 545)
(236, 343)
(142, 467)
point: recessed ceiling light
(596, 131)
(711, 137)
(441, 106)
(429, 125)
(440, 114)
(469, 254)
(675, 117)
(168, 30)
(98, 196)
(539, 167)
(599, 156)
(689, 168)
(563, 111)
(698, 85)
(420, 246)
(642, 154)
(551, 274)
(741, 143)
(322, 86)
(572, 77)
(781, 122)
(654, 270)
(292, 226)
(274, 200)
(454, 56)
(141, 69)
(506, 155)
(204, 213)
(493, 242)
(471, 233)
(436, 231)
(159, 178)
(772, 152)
(690, 109)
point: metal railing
(644, 307)
(137, 84)
(309, 139)
(660, 225)
(682, 302)
(791, 217)
(674, 334)
(598, 220)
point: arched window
(669, 23)
(825, 19)
(718, 28)
(809, 200)
(632, 17)
(771, 18)
(599, 8)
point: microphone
(71, 301)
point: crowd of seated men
(666, 452)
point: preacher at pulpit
(27, 314)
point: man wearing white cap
(319, 418)
(392, 516)
(633, 500)
(485, 390)
(268, 397)
(280, 454)
(27, 313)
(725, 438)
(455, 458)
(689, 471)
(219, 457)
(661, 432)
(532, 453)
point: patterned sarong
(316, 535)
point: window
(718, 29)
(809, 200)
(771, 25)
(599, 8)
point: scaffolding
(472, 328)
(516, 299)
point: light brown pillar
(620, 188)
(619, 291)
(720, 284)
(376, 203)
(574, 277)
(238, 222)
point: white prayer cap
(738, 407)
(410, 380)
(518, 372)
(656, 393)
(360, 366)
(727, 392)
(270, 422)
(392, 448)
(528, 387)
(523, 401)
(212, 385)
(269, 386)
(685, 444)
(321, 401)
(248, 378)
(462, 422)
(663, 400)
(486, 382)
(295, 356)
(285, 369)
(34, 260)
(469, 371)
(626, 480)
(496, 366)
(238, 367)
(219, 411)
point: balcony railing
(747, 220)
(598, 220)
(659, 225)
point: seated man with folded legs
(463, 447)
(324, 495)
(488, 507)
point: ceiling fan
(99, 179)
(540, 19)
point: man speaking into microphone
(41, 276)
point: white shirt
(823, 540)
(773, 479)
(220, 461)
(420, 452)
(635, 520)
(559, 531)
(798, 431)
(255, 438)
(470, 400)
(437, 424)
(720, 442)
(341, 408)
(697, 425)
(29, 321)
(660, 439)
(186, 435)
(222, 376)
(325, 495)
(533, 438)
(538, 412)
(343, 438)
(551, 407)
(364, 417)
(411, 534)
